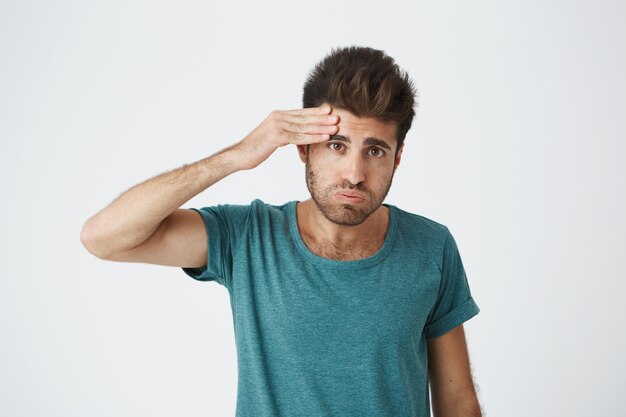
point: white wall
(518, 147)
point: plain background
(518, 147)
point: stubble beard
(344, 214)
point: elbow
(90, 242)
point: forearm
(467, 406)
(134, 216)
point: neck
(315, 227)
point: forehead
(359, 128)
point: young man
(342, 305)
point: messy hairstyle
(367, 83)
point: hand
(282, 127)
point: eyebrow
(370, 140)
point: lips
(351, 197)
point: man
(342, 305)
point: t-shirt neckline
(377, 257)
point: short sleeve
(454, 304)
(225, 226)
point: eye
(336, 146)
(377, 152)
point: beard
(345, 214)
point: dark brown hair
(367, 83)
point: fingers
(323, 109)
(305, 120)
(308, 125)
(306, 138)
(302, 123)
(313, 129)
(304, 126)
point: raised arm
(146, 224)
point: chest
(359, 250)
(321, 313)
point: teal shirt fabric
(317, 337)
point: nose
(353, 169)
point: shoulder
(420, 232)
(259, 206)
(262, 212)
(418, 224)
(236, 218)
(256, 206)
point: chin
(345, 214)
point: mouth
(350, 197)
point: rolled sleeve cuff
(459, 315)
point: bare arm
(145, 223)
(453, 393)
(136, 214)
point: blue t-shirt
(318, 337)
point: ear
(302, 152)
(398, 157)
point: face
(349, 176)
